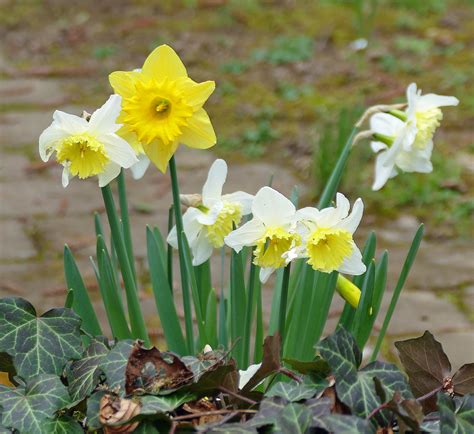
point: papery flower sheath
(207, 224)
(86, 149)
(271, 231)
(327, 237)
(162, 107)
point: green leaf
(38, 345)
(361, 327)
(456, 421)
(114, 364)
(62, 425)
(232, 428)
(238, 303)
(27, 408)
(81, 302)
(295, 419)
(83, 375)
(151, 404)
(355, 388)
(164, 297)
(93, 410)
(293, 391)
(343, 424)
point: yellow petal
(160, 154)
(164, 62)
(199, 133)
(131, 138)
(196, 94)
(123, 82)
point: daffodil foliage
(123, 385)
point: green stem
(331, 186)
(127, 235)
(169, 262)
(182, 260)
(283, 303)
(249, 313)
(137, 321)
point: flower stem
(283, 303)
(137, 321)
(249, 313)
(182, 259)
(127, 235)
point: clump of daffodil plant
(307, 254)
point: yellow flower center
(230, 215)
(328, 247)
(85, 155)
(271, 247)
(426, 123)
(157, 110)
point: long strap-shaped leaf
(398, 289)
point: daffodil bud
(348, 291)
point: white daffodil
(86, 149)
(404, 140)
(327, 237)
(206, 225)
(272, 231)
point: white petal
(417, 160)
(104, 119)
(272, 208)
(118, 150)
(384, 123)
(216, 177)
(265, 273)
(245, 376)
(431, 100)
(65, 176)
(191, 225)
(48, 140)
(412, 99)
(351, 222)
(342, 205)
(382, 171)
(328, 217)
(70, 123)
(245, 200)
(210, 217)
(353, 264)
(378, 146)
(139, 168)
(246, 235)
(172, 238)
(110, 172)
(202, 249)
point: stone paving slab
(14, 243)
(32, 91)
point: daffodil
(404, 139)
(209, 222)
(271, 231)
(88, 148)
(162, 107)
(327, 236)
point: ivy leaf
(232, 428)
(293, 391)
(456, 421)
(93, 410)
(150, 404)
(38, 345)
(319, 407)
(463, 379)
(26, 408)
(342, 424)
(426, 364)
(114, 364)
(354, 388)
(83, 375)
(295, 418)
(62, 425)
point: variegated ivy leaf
(62, 425)
(293, 391)
(83, 375)
(38, 345)
(356, 388)
(28, 408)
(343, 424)
(114, 364)
(454, 420)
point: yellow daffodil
(328, 237)
(207, 224)
(162, 107)
(86, 149)
(271, 231)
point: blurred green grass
(284, 71)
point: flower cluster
(277, 231)
(403, 140)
